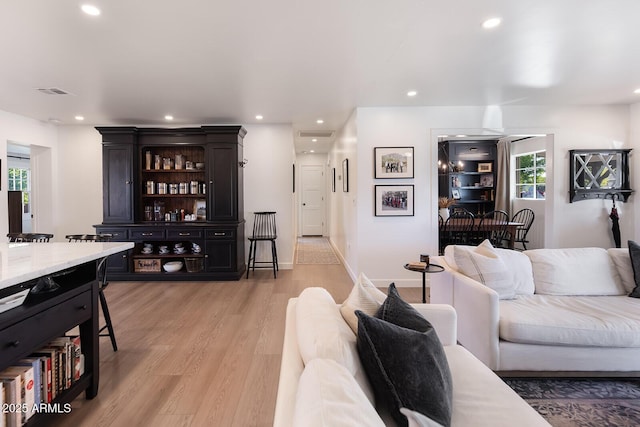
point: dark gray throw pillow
(634, 254)
(397, 311)
(406, 368)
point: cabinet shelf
(173, 170)
(171, 255)
(473, 187)
(174, 196)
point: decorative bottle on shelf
(147, 160)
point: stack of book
(33, 383)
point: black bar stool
(264, 229)
(29, 237)
(102, 279)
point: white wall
(43, 139)
(634, 164)
(268, 185)
(343, 222)
(387, 243)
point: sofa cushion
(407, 369)
(517, 262)
(365, 297)
(323, 333)
(329, 396)
(595, 321)
(416, 419)
(482, 263)
(622, 260)
(634, 255)
(574, 271)
(399, 312)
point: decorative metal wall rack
(599, 174)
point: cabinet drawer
(184, 233)
(117, 234)
(26, 336)
(146, 234)
(221, 234)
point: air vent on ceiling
(52, 91)
(315, 134)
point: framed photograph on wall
(333, 180)
(345, 175)
(393, 200)
(393, 162)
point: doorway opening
(19, 188)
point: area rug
(565, 402)
(315, 250)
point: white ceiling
(295, 61)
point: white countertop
(20, 262)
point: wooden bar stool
(102, 279)
(264, 229)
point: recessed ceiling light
(412, 93)
(461, 136)
(491, 23)
(168, 117)
(319, 121)
(259, 117)
(312, 151)
(637, 90)
(80, 118)
(314, 140)
(90, 9)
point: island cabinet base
(200, 251)
(43, 317)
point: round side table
(431, 268)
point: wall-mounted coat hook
(243, 162)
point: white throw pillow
(416, 419)
(364, 297)
(574, 271)
(622, 261)
(517, 263)
(328, 396)
(482, 263)
(323, 334)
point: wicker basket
(194, 265)
(147, 265)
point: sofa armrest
(478, 318)
(291, 368)
(443, 318)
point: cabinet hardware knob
(147, 234)
(14, 343)
(211, 182)
(184, 234)
(128, 182)
(124, 256)
(83, 307)
(218, 234)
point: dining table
(489, 224)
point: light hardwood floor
(199, 353)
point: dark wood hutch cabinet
(178, 195)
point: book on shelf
(24, 378)
(12, 396)
(49, 360)
(36, 364)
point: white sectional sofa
(545, 309)
(319, 393)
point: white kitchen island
(43, 317)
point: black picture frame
(393, 162)
(333, 180)
(345, 175)
(393, 200)
(294, 177)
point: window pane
(540, 191)
(525, 191)
(525, 176)
(524, 161)
(541, 159)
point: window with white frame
(531, 175)
(19, 181)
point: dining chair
(457, 229)
(29, 237)
(526, 217)
(102, 280)
(264, 230)
(493, 226)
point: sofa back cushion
(574, 271)
(517, 263)
(365, 297)
(622, 261)
(323, 333)
(329, 396)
